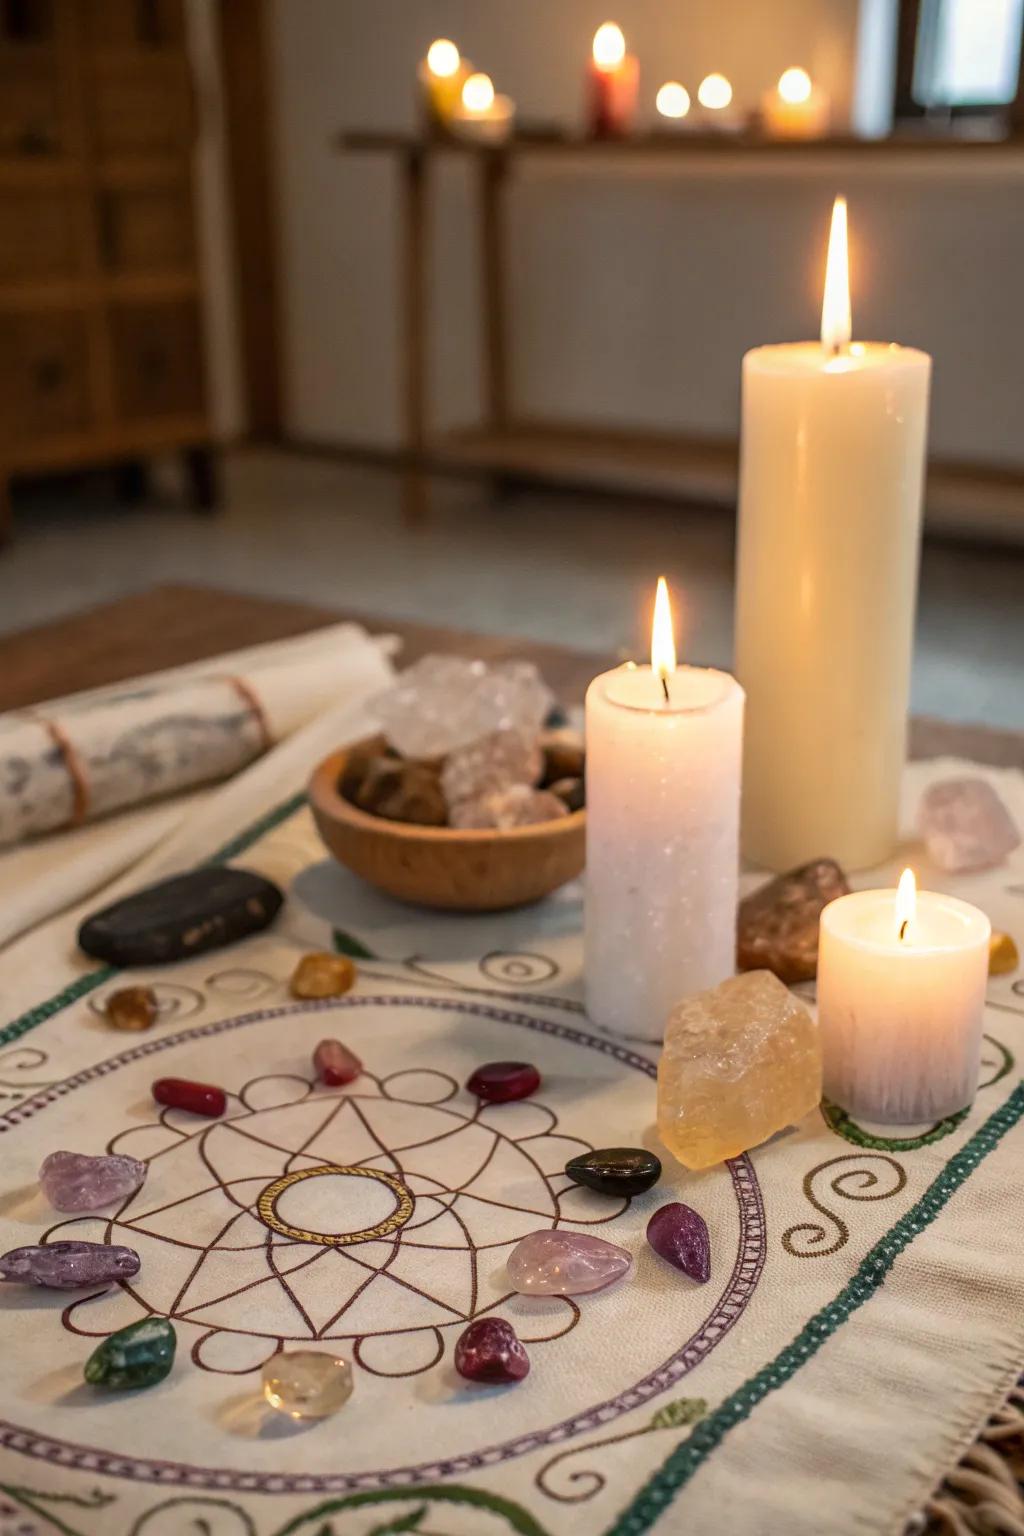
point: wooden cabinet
(101, 347)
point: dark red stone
(197, 1098)
(502, 1081)
(680, 1234)
(488, 1350)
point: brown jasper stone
(323, 975)
(777, 927)
(132, 1008)
(571, 791)
(563, 757)
(403, 791)
(358, 763)
(1002, 955)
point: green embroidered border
(677, 1470)
(80, 988)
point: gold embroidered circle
(266, 1206)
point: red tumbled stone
(488, 1350)
(197, 1098)
(502, 1081)
(335, 1064)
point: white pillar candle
(901, 997)
(664, 746)
(831, 468)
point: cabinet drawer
(44, 380)
(142, 105)
(158, 360)
(30, 115)
(135, 23)
(37, 235)
(147, 229)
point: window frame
(906, 108)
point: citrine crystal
(132, 1008)
(1003, 956)
(323, 975)
(740, 1062)
(307, 1383)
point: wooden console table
(508, 446)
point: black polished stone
(616, 1170)
(186, 915)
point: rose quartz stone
(335, 1064)
(73, 1181)
(561, 1263)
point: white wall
(633, 295)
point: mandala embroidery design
(380, 1215)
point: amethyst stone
(73, 1181)
(502, 1081)
(489, 1350)
(680, 1235)
(67, 1266)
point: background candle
(613, 76)
(482, 115)
(663, 783)
(901, 1019)
(796, 108)
(442, 75)
(831, 468)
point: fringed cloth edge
(984, 1493)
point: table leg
(414, 351)
(493, 168)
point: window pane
(968, 52)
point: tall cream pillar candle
(831, 469)
(663, 784)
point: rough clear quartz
(965, 825)
(680, 1234)
(739, 1063)
(334, 1064)
(442, 703)
(777, 926)
(74, 1181)
(323, 975)
(68, 1266)
(307, 1383)
(516, 806)
(494, 762)
(563, 1263)
(489, 1350)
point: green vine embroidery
(839, 1121)
(512, 1516)
(38, 1502)
(687, 1459)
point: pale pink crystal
(517, 806)
(495, 762)
(74, 1181)
(965, 825)
(562, 1263)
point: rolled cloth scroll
(84, 758)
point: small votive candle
(901, 999)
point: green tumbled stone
(137, 1356)
(616, 1170)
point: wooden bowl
(477, 870)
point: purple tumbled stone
(489, 1350)
(680, 1234)
(562, 1263)
(68, 1266)
(502, 1081)
(74, 1181)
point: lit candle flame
(906, 902)
(673, 99)
(715, 92)
(478, 93)
(836, 324)
(795, 85)
(442, 58)
(609, 46)
(663, 640)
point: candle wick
(903, 928)
(664, 688)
